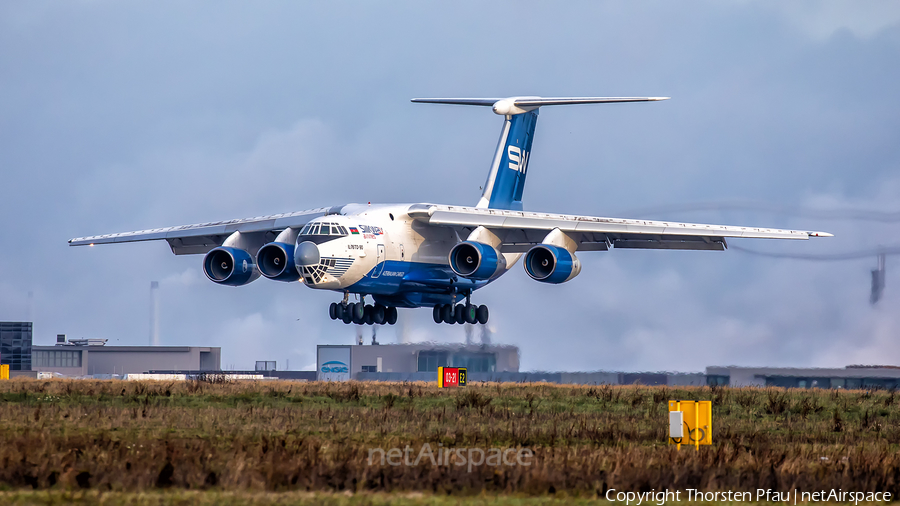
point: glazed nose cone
(306, 254)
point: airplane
(429, 255)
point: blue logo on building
(335, 366)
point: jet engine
(475, 260)
(551, 264)
(230, 266)
(276, 261)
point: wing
(200, 238)
(521, 230)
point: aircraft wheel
(390, 315)
(436, 314)
(347, 314)
(447, 313)
(471, 313)
(332, 311)
(460, 314)
(378, 314)
(339, 311)
(482, 314)
(368, 315)
(357, 313)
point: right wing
(200, 238)
(522, 230)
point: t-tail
(506, 179)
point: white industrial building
(89, 357)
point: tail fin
(506, 179)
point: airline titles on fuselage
(366, 230)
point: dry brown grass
(278, 436)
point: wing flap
(671, 243)
(598, 233)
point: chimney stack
(878, 281)
(154, 313)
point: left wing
(200, 238)
(520, 230)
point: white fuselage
(377, 248)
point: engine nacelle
(551, 264)
(475, 260)
(276, 261)
(230, 266)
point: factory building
(851, 377)
(90, 357)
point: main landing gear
(461, 313)
(361, 313)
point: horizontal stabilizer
(583, 100)
(458, 101)
(519, 105)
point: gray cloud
(120, 117)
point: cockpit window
(330, 229)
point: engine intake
(475, 260)
(551, 264)
(276, 261)
(229, 266)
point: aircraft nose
(306, 254)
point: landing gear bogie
(361, 313)
(460, 313)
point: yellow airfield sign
(690, 423)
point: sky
(119, 116)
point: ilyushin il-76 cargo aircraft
(427, 255)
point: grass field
(160, 441)
(246, 498)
